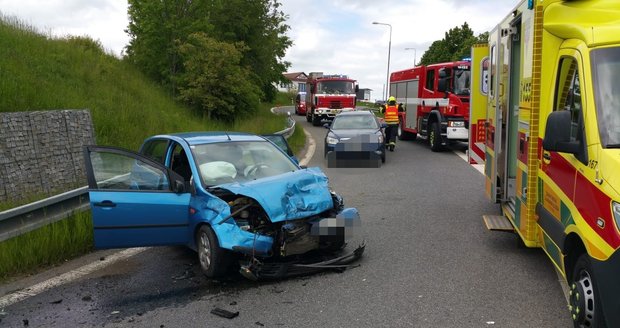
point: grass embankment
(42, 73)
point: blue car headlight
(380, 139)
(332, 140)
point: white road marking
(311, 149)
(67, 277)
(479, 167)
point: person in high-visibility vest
(390, 111)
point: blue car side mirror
(326, 125)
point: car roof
(356, 112)
(197, 138)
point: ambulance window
(484, 76)
(568, 93)
(430, 80)
(606, 74)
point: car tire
(383, 157)
(434, 137)
(214, 261)
(308, 117)
(584, 298)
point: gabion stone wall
(41, 152)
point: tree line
(455, 45)
(222, 57)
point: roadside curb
(311, 144)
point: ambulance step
(497, 223)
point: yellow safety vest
(391, 114)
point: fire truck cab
(328, 96)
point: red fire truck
(329, 95)
(436, 102)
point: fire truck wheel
(434, 138)
(584, 302)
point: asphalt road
(429, 262)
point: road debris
(224, 313)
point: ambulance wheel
(584, 302)
(434, 138)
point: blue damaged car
(237, 199)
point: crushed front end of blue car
(285, 225)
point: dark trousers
(390, 133)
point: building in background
(363, 94)
(296, 82)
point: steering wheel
(252, 170)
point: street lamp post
(414, 54)
(387, 80)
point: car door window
(180, 162)
(115, 171)
(156, 149)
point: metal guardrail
(25, 218)
(29, 217)
(288, 132)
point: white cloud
(103, 20)
(415, 24)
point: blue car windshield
(354, 122)
(242, 161)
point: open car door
(135, 200)
(280, 141)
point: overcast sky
(330, 36)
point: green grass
(48, 246)
(38, 72)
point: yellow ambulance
(549, 81)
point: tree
(154, 27)
(213, 80)
(260, 25)
(157, 28)
(455, 45)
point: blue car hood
(289, 196)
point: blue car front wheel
(214, 261)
